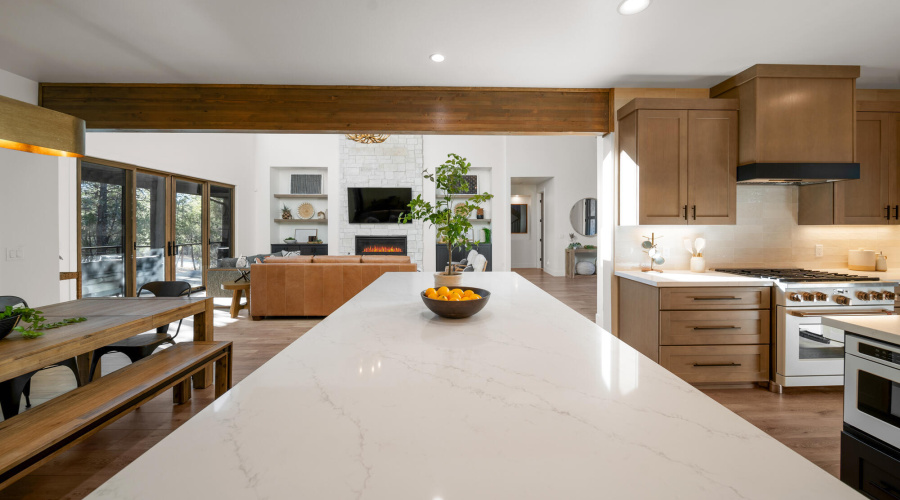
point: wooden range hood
(797, 123)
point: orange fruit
(453, 298)
(432, 295)
(430, 291)
(455, 295)
(443, 291)
(466, 297)
(476, 296)
(468, 293)
(457, 291)
(442, 297)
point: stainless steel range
(806, 353)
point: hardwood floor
(806, 420)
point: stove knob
(876, 295)
(841, 300)
(821, 296)
(807, 296)
(888, 295)
(862, 295)
(795, 297)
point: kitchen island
(527, 399)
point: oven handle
(801, 314)
(887, 491)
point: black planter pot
(7, 324)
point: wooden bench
(33, 437)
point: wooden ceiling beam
(332, 109)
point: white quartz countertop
(526, 400)
(884, 328)
(687, 278)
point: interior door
(188, 245)
(712, 166)
(867, 200)
(662, 166)
(221, 223)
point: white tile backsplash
(766, 235)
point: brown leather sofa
(315, 285)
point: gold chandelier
(368, 138)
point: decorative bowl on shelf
(457, 310)
(7, 325)
(291, 241)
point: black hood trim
(796, 173)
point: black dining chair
(143, 345)
(12, 390)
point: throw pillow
(241, 262)
(293, 254)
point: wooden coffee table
(237, 289)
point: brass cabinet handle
(699, 365)
(716, 298)
(717, 328)
(694, 212)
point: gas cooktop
(797, 275)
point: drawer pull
(716, 364)
(716, 298)
(717, 328)
(884, 488)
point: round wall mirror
(584, 216)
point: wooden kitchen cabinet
(678, 161)
(874, 198)
(718, 335)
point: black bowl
(458, 310)
(7, 324)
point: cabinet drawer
(713, 327)
(714, 298)
(717, 363)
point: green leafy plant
(452, 223)
(38, 323)
(289, 238)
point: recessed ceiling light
(629, 7)
(437, 57)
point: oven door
(872, 392)
(807, 348)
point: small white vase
(698, 264)
(449, 281)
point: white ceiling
(516, 43)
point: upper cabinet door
(712, 166)
(662, 165)
(867, 200)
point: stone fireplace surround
(397, 162)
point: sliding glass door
(103, 230)
(150, 228)
(221, 220)
(139, 225)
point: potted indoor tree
(452, 222)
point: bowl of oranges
(455, 303)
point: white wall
(572, 162)
(226, 158)
(30, 208)
(524, 248)
(18, 87)
(292, 150)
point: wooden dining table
(108, 320)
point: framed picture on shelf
(470, 184)
(306, 184)
(304, 235)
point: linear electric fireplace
(381, 245)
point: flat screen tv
(378, 205)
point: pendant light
(33, 129)
(368, 138)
